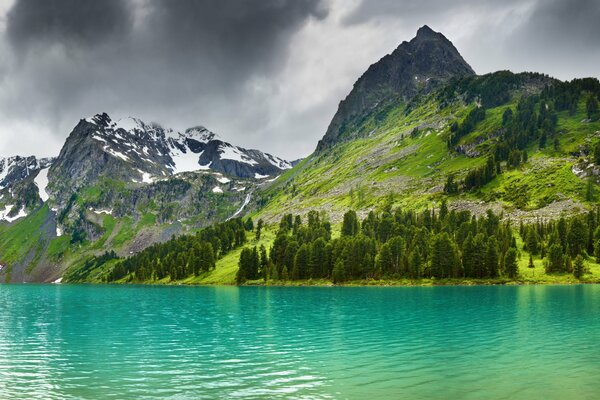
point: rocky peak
(138, 153)
(413, 67)
(426, 32)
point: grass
(19, 239)
(388, 159)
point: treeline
(429, 244)
(183, 256)
(560, 243)
(388, 245)
(491, 90)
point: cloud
(558, 37)
(72, 22)
(266, 74)
(178, 62)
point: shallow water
(72, 341)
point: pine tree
(350, 224)
(318, 259)
(339, 272)
(568, 264)
(531, 264)
(555, 262)
(284, 274)
(469, 256)
(577, 236)
(491, 257)
(592, 107)
(511, 267)
(259, 227)
(532, 241)
(301, 262)
(415, 264)
(578, 267)
(264, 263)
(445, 262)
(384, 261)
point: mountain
(524, 145)
(418, 66)
(131, 150)
(121, 185)
(521, 144)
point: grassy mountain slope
(401, 156)
(45, 244)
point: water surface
(71, 341)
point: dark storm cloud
(262, 73)
(240, 28)
(176, 61)
(561, 24)
(73, 21)
(230, 38)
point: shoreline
(565, 281)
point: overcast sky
(264, 74)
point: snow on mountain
(5, 214)
(154, 150)
(13, 170)
(41, 181)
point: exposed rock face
(130, 150)
(416, 66)
(15, 169)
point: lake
(78, 341)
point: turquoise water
(70, 341)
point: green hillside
(402, 155)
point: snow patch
(222, 179)
(278, 162)
(99, 138)
(41, 181)
(259, 176)
(128, 124)
(185, 162)
(146, 177)
(205, 167)
(59, 231)
(4, 214)
(217, 189)
(228, 152)
(107, 212)
(273, 180)
(59, 280)
(116, 154)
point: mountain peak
(413, 67)
(425, 31)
